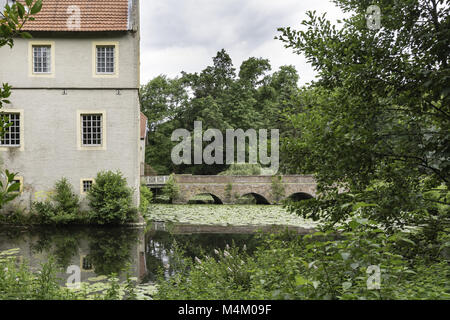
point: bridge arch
(300, 196)
(216, 199)
(258, 198)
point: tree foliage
(375, 126)
(221, 98)
(111, 200)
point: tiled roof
(81, 15)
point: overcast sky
(184, 35)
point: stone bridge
(298, 187)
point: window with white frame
(42, 59)
(11, 137)
(105, 59)
(91, 130)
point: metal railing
(149, 180)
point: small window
(11, 136)
(87, 185)
(86, 264)
(42, 59)
(91, 130)
(105, 59)
(18, 180)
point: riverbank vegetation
(374, 131)
(19, 282)
(317, 267)
(108, 201)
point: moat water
(142, 253)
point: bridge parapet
(187, 178)
(156, 180)
(217, 186)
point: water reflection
(102, 251)
(97, 251)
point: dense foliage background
(221, 98)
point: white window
(91, 130)
(11, 136)
(42, 59)
(105, 59)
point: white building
(74, 104)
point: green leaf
(37, 7)
(20, 9)
(354, 265)
(346, 285)
(345, 255)
(25, 35)
(14, 187)
(300, 281)
(408, 241)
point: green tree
(162, 99)
(375, 126)
(65, 198)
(146, 199)
(110, 199)
(221, 99)
(277, 187)
(171, 189)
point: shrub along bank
(110, 202)
(365, 263)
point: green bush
(110, 199)
(146, 199)
(63, 207)
(278, 190)
(319, 266)
(64, 198)
(171, 189)
(228, 190)
(16, 216)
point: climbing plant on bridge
(278, 190)
(171, 189)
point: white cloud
(184, 35)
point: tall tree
(375, 126)
(218, 97)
